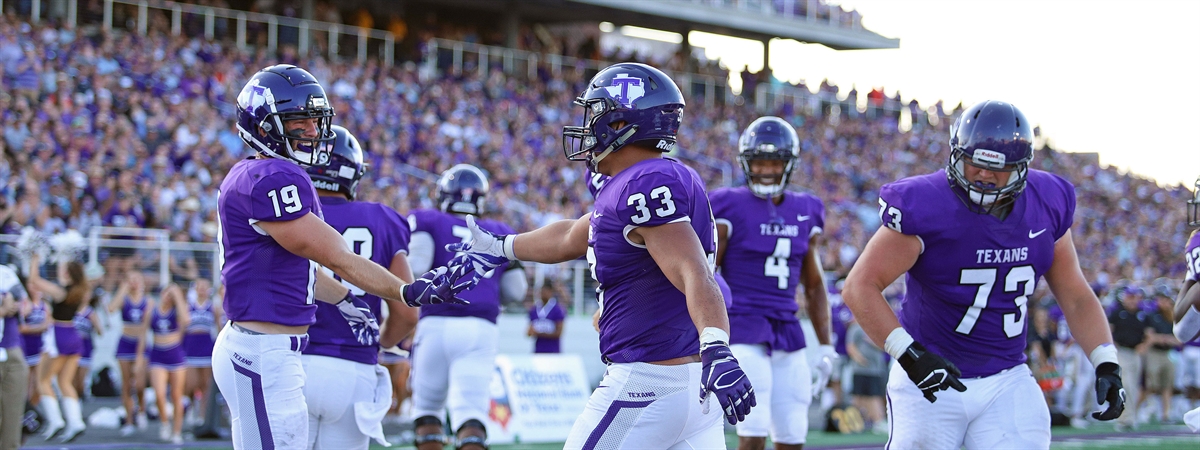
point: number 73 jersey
(968, 292)
(767, 245)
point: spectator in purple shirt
(546, 320)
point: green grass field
(1156, 437)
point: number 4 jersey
(645, 317)
(967, 294)
(263, 281)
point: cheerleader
(133, 303)
(167, 360)
(63, 347)
(87, 323)
(33, 325)
(207, 317)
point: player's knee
(428, 430)
(472, 435)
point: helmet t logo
(626, 89)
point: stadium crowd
(96, 134)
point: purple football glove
(362, 321)
(723, 377)
(486, 250)
(443, 284)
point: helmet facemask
(767, 186)
(986, 198)
(305, 151)
(580, 142)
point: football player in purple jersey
(347, 391)
(974, 238)
(1187, 306)
(650, 242)
(454, 350)
(767, 248)
(270, 240)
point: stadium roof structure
(682, 16)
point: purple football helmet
(642, 97)
(995, 136)
(345, 168)
(1194, 206)
(769, 138)
(281, 93)
(462, 190)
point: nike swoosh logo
(1039, 233)
(803, 217)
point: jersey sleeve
(420, 221)
(1066, 214)
(818, 216)
(280, 197)
(898, 209)
(654, 199)
(720, 201)
(399, 233)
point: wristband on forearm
(1103, 353)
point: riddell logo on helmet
(325, 185)
(989, 157)
(664, 145)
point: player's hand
(826, 356)
(443, 284)
(361, 319)
(723, 377)
(486, 249)
(930, 371)
(1109, 390)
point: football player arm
(401, 318)
(1085, 317)
(887, 256)
(678, 252)
(312, 238)
(560, 241)
(812, 277)
(1187, 312)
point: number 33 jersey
(968, 292)
(645, 317)
(767, 245)
(263, 281)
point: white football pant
(1005, 410)
(642, 405)
(262, 381)
(453, 360)
(783, 389)
(344, 397)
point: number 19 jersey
(263, 281)
(968, 291)
(645, 317)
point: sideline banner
(536, 397)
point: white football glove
(823, 369)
